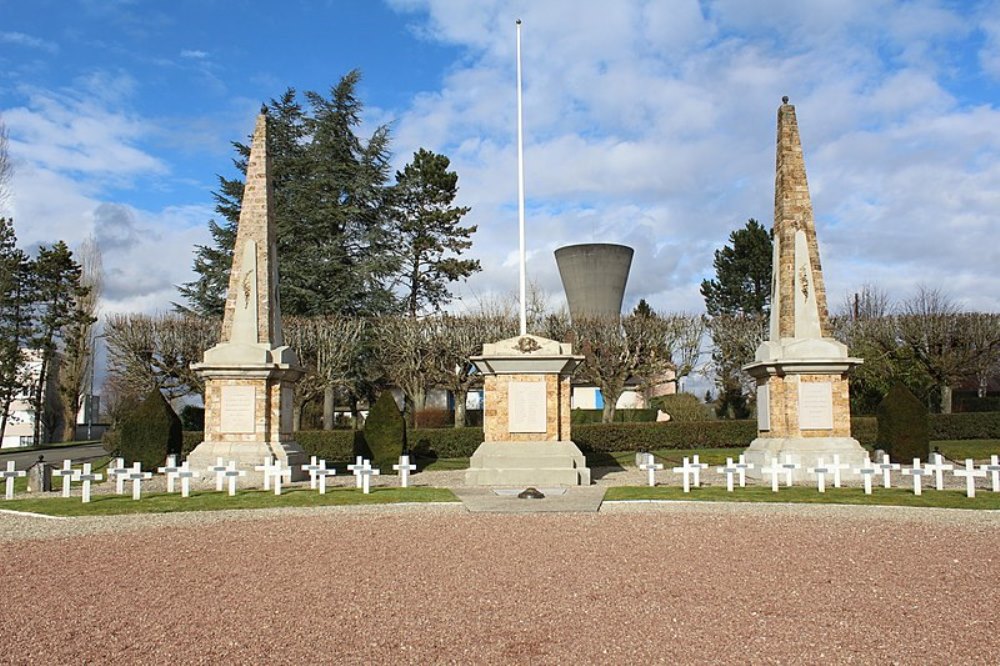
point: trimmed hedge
(343, 445)
(582, 416)
(903, 428)
(151, 433)
(968, 425)
(385, 432)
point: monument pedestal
(803, 404)
(526, 418)
(248, 418)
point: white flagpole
(520, 186)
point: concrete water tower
(594, 277)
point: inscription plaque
(815, 406)
(526, 407)
(763, 408)
(287, 407)
(239, 408)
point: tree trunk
(608, 415)
(946, 399)
(328, 408)
(40, 399)
(460, 397)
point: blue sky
(647, 123)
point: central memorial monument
(526, 416)
(250, 375)
(803, 399)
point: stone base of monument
(249, 455)
(805, 451)
(527, 464)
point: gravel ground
(673, 583)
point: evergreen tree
(58, 289)
(742, 283)
(429, 236)
(332, 226)
(16, 287)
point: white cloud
(21, 39)
(194, 54)
(652, 123)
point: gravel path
(672, 583)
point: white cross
(789, 468)
(887, 467)
(137, 476)
(774, 470)
(118, 470)
(730, 470)
(170, 470)
(277, 471)
(219, 470)
(993, 468)
(970, 473)
(939, 467)
(405, 467)
(820, 470)
(687, 470)
(916, 472)
(698, 466)
(359, 463)
(741, 469)
(86, 477)
(66, 473)
(9, 475)
(312, 467)
(867, 471)
(321, 475)
(835, 467)
(233, 474)
(266, 469)
(185, 474)
(367, 472)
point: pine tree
(429, 235)
(58, 288)
(332, 226)
(742, 283)
(16, 288)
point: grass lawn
(97, 465)
(946, 499)
(960, 449)
(107, 505)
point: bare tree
(938, 338)
(330, 349)
(735, 339)
(869, 302)
(156, 351)
(77, 364)
(617, 349)
(463, 338)
(408, 350)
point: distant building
(20, 429)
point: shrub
(609, 437)
(385, 432)
(445, 442)
(435, 418)
(193, 418)
(621, 415)
(151, 432)
(903, 426)
(331, 445)
(683, 407)
(865, 430)
(969, 425)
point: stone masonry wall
(557, 412)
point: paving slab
(583, 499)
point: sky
(647, 123)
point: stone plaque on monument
(815, 406)
(763, 408)
(239, 412)
(526, 407)
(287, 408)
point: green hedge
(968, 425)
(621, 416)
(340, 445)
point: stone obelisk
(250, 375)
(803, 400)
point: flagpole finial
(517, 21)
